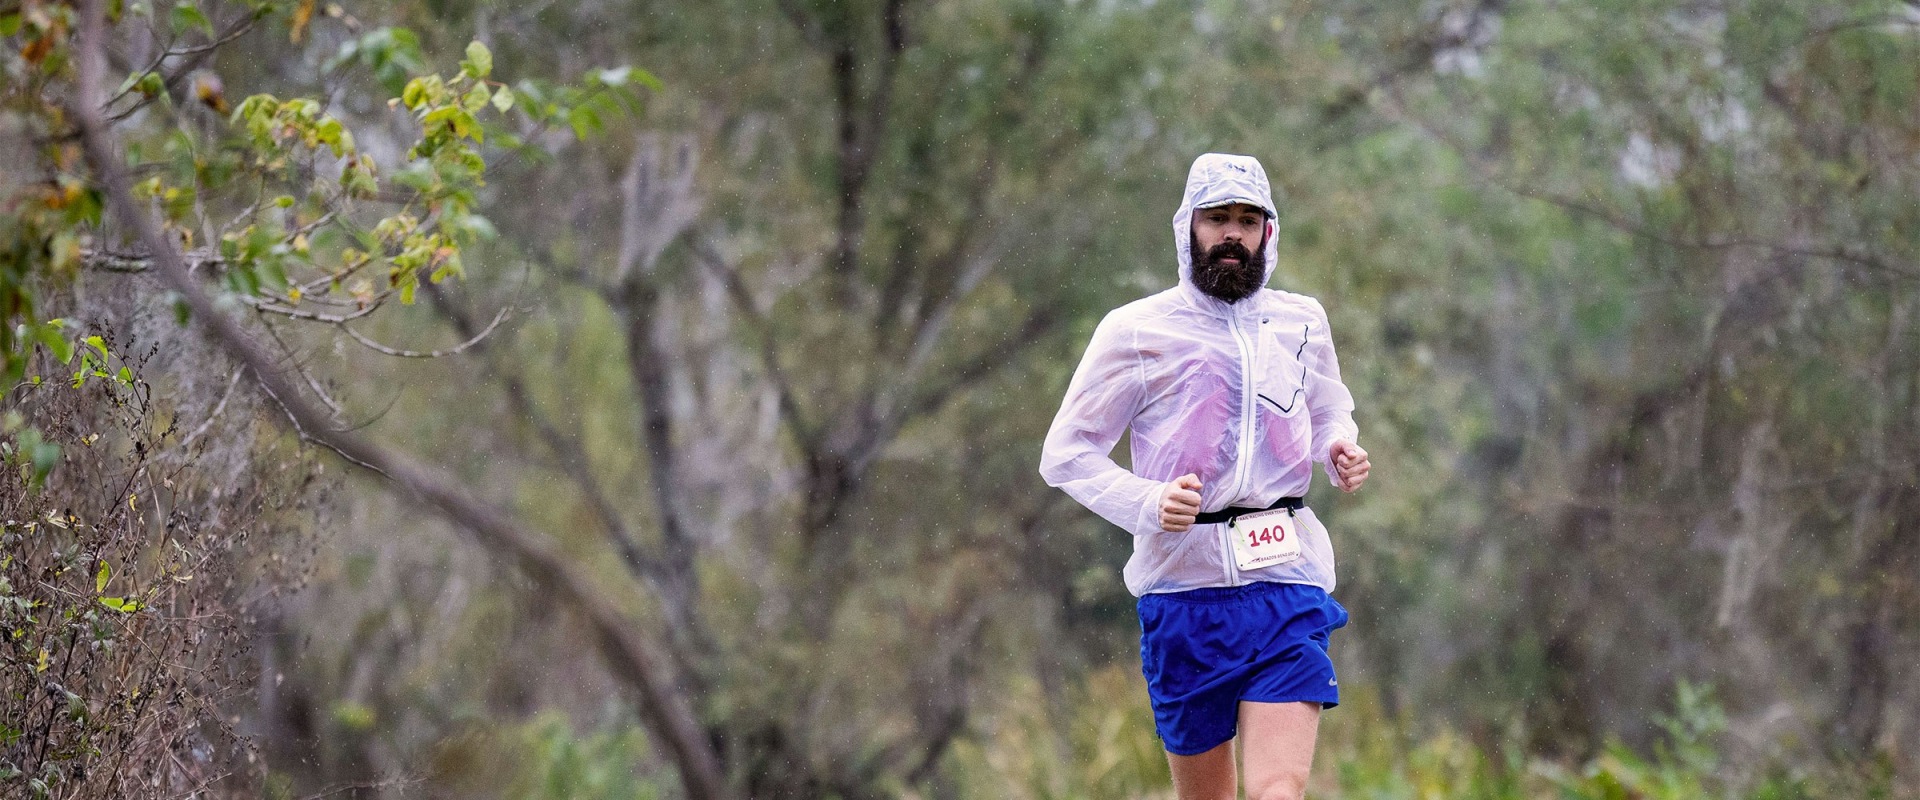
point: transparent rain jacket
(1245, 395)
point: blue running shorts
(1205, 650)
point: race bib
(1264, 539)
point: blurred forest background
(646, 401)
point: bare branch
(1418, 59)
(660, 203)
(571, 457)
(863, 106)
(300, 430)
(1038, 323)
(1489, 174)
(218, 409)
(134, 263)
(635, 657)
(455, 350)
(197, 54)
(807, 435)
(269, 307)
(572, 460)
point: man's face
(1229, 250)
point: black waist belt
(1228, 513)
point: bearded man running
(1232, 394)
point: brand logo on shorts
(1333, 681)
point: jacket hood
(1217, 178)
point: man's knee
(1279, 786)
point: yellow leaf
(301, 16)
(41, 665)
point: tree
(253, 260)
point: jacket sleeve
(1107, 391)
(1328, 400)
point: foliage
(1625, 289)
(1551, 265)
(126, 683)
(558, 764)
(1096, 741)
(301, 238)
(118, 594)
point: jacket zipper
(1244, 457)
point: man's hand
(1179, 503)
(1350, 465)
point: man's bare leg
(1207, 776)
(1276, 747)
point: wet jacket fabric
(1245, 395)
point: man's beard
(1229, 282)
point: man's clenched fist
(1350, 465)
(1179, 503)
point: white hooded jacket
(1245, 395)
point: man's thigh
(1276, 748)
(1204, 776)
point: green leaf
(98, 344)
(242, 280)
(479, 61)
(273, 275)
(418, 175)
(42, 454)
(476, 98)
(647, 79)
(584, 121)
(121, 604)
(9, 24)
(254, 109)
(100, 578)
(465, 125)
(438, 115)
(182, 312)
(503, 99)
(151, 85)
(60, 346)
(133, 79)
(186, 15)
(476, 227)
(415, 93)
